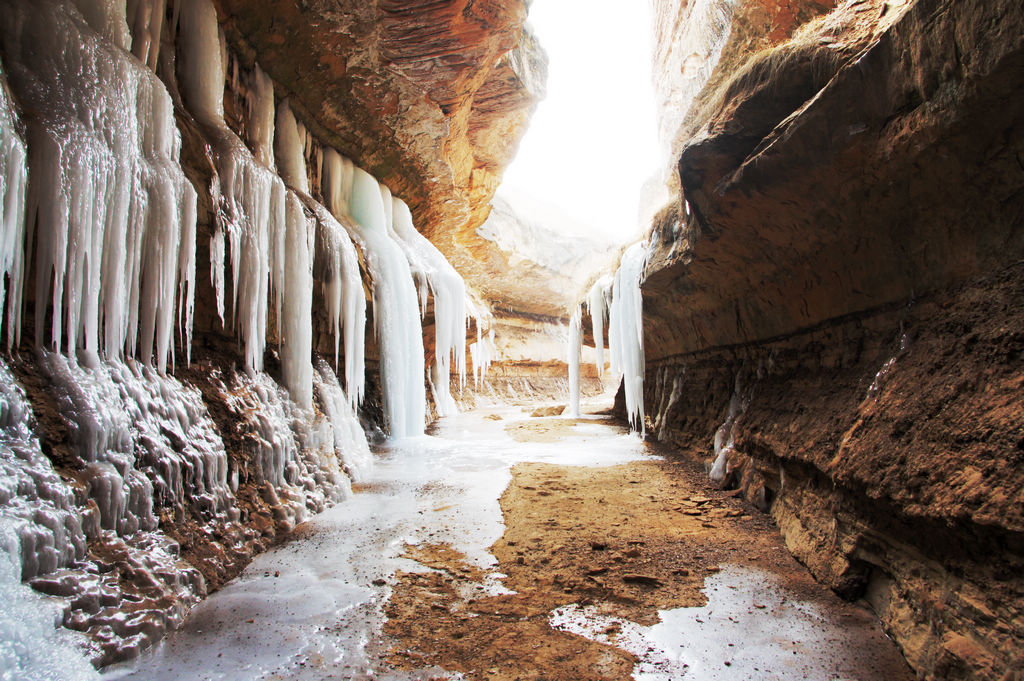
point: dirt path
(608, 548)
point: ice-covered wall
(126, 172)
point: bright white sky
(592, 143)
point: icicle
(597, 306)
(394, 310)
(252, 199)
(146, 20)
(201, 61)
(297, 346)
(108, 202)
(13, 190)
(259, 102)
(625, 331)
(431, 269)
(482, 354)
(288, 150)
(574, 349)
(346, 303)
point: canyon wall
(832, 305)
(204, 204)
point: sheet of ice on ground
(752, 628)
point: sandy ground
(622, 543)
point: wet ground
(511, 547)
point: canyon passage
(575, 576)
(470, 339)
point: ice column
(251, 207)
(13, 189)
(297, 323)
(597, 305)
(575, 348)
(109, 210)
(433, 271)
(346, 303)
(625, 331)
(395, 311)
(482, 354)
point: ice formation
(346, 302)
(251, 201)
(481, 353)
(110, 212)
(296, 314)
(626, 333)
(395, 311)
(432, 271)
(349, 438)
(13, 190)
(598, 300)
(30, 646)
(575, 348)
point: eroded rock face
(430, 98)
(832, 297)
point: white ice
(434, 273)
(110, 212)
(574, 349)
(395, 311)
(626, 331)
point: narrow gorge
(294, 387)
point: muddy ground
(627, 540)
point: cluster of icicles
(92, 187)
(618, 300)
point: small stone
(379, 582)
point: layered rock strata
(829, 309)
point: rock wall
(830, 308)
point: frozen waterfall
(626, 333)
(395, 311)
(598, 301)
(110, 212)
(575, 348)
(432, 271)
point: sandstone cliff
(829, 307)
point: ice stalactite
(146, 21)
(109, 210)
(294, 285)
(575, 348)
(346, 302)
(395, 311)
(598, 300)
(13, 191)
(626, 332)
(251, 205)
(482, 354)
(432, 271)
(297, 321)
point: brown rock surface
(431, 98)
(842, 285)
